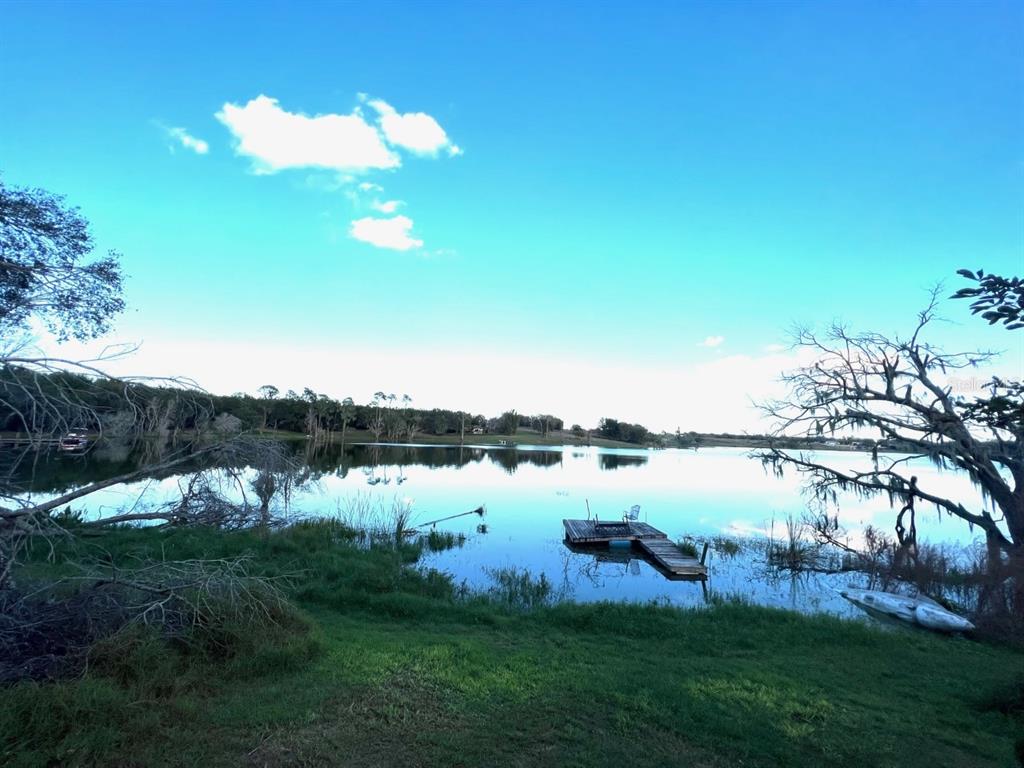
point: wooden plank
(669, 557)
(589, 531)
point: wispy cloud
(775, 348)
(388, 206)
(183, 138)
(712, 341)
(393, 233)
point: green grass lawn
(389, 666)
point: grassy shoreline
(388, 665)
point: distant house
(478, 430)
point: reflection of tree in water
(47, 471)
(616, 460)
(373, 460)
(509, 459)
(591, 564)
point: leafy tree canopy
(997, 299)
(46, 271)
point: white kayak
(913, 610)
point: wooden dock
(654, 545)
(594, 532)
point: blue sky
(612, 185)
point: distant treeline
(117, 407)
(620, 430)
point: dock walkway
(657, 547)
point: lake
(527, 491)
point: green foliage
(1003, 409)
(997, 299)
(621, 430)
(45, 268)
(508, 423)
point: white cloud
(774, 348)
(369, 186)
(390, 233)
(188, 141)
(388, 206)
(276, 139)
(416, 131)
(712, 341)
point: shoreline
(526, 438)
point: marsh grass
(440, 541)
(688, 547)
(795, 550)
(518, 589)
(725, 546)
(374, 522)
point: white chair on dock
(632, 515)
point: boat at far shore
(919, 611)
(73, 441)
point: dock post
(704, 553)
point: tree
(508, 423)
(348, 412)
(413, 422)
(997, 299)
(545, 423)
(376, 424)
(410, 422)
(898, 389)
(46, 272)
(621, 430)
(47, 276)
(393, 419)
(267, 392)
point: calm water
(528, 491)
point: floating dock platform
(647, 539)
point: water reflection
(527, 492)
(52, 472)
(616, 460)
